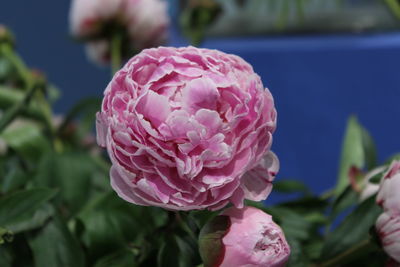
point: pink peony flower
(388, 195)
(188, 128)
(388, 228)
(249, 238)
(388, 223)
(144, 24)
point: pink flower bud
(388, 228)
(6, 36)
(188, 128)
(250, 239)
(388, 196)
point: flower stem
(116, 53)
(13, 112)
(31, 84)
(9, 96)
(8, 52)
(364, 247)
(183, 224)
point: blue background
(317, 82)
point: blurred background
(322, 60)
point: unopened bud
(6, 36)
(243, 237)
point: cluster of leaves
(197, 16)
(394, 7)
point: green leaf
(283, 15)
(290, 186)
(376, 179)
(344, 201)
(297, 256)
(86, 110)
(368, 144)
(298, 228)
(357, 150)
(41, 215)
(175, 252)
(168, 255)
(195, 20)
(210, 240)
(313, 248)
(19, 207)
(71, 173)
(188, 252)
(54, 245)
(198, 218)
(121, 258)
(316, 218)
(394, 7)
(53, 93)
(354, 229)
(5, 67)
(7, 72)
(27, 139)
(293, 224)
(5, 257)
(111, 223)
(12, 176)
(14, 111)
(306, 205)
(9, 96)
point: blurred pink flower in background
(252, 239)
(98, 51)
(88, 17)
(388, 223)
(188, 128)
(147, 22)
(144, 24)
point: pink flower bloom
(188, 128)
(388, 196)
(144, 24)
(253, 239)
(388, 223)
(388, 228)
